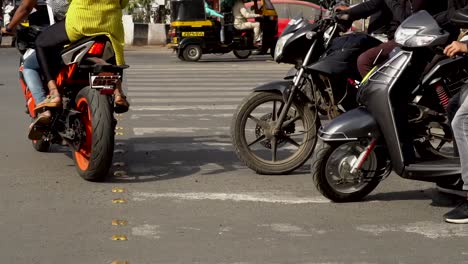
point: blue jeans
(32, 77)
(460, 131)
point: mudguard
(189, 41)
(280, 86)
(352, 125)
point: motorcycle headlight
(410, 38)
(280, 45)
(403, 34)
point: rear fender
(352, 125)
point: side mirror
(460, 18)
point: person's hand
(454, 48)
(8, 33)
(341, 8)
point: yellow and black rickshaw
(192, 34)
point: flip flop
(39, 127)
(47, 103)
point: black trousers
(49, 44)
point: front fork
(357, 165)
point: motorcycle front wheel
(263, 150)
(93, 158)
(331, 166)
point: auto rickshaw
(192, 34)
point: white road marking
(185, 100)
(187, 107)
(148, 231)
(139, 116)
(188, 94)
(140, 131)
(179, 146)
(195, 87)
(428, 229)
(235, 197)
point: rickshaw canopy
(187, 10)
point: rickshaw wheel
(192, 53)
(242, 54)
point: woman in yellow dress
(85, 18)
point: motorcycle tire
(41, 145)
(253, 161)
(242, 54)
(319, 170)
(94, 157)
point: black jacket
(443, 18)
(387, 15)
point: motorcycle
(87, 79)
(362, 146)
(274, 128)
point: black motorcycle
(274, 129)
(400, 103)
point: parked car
(288, 9)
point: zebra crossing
(181, 112)
(181, 98)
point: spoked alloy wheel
(265, 151)
(331, 168)
(95, 134)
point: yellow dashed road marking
(119, 238)
(119, 201)
(117, 222)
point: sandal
(39, 126)
(50, 102)
(121, 104)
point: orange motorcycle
(85, 122)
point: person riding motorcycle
(32, 70)
(241, 14)
(392, 13)
(84, 18)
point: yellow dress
(86, 18)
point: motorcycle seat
(82, 41)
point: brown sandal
(121, 104)
(48, 102)
(39, 127)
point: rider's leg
(250, 25)
(366, 60)
(48, 46)
(32, 77)
(460, 131)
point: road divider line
(185, 93)
(139, 131)
(235, 197)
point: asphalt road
(186, 197)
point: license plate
(104, 81)
(193, 34)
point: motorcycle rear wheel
(266, 154)
(94, 156)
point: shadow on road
(164, 158)
(438, 199)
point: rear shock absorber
(443, 97)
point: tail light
(97, 49)
(172, 32)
